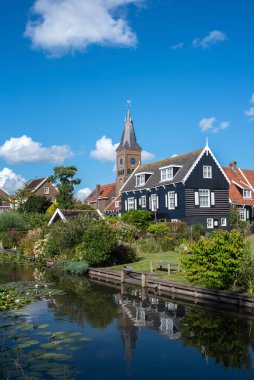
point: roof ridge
(169, 158)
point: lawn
(143, 265)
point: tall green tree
(64, 180)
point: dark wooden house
(190, 187)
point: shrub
(234, 216)
(158, 230)
(177, 227)
(50, 211)
(138, 218)
(10, 238)
(64, 237)
(36, 203)
(197, 231)
(126, 232)
(123, 254)
(215, 261)
(26, 245)
(35, 220)
(12, 219)
(74, 267)
(99, 242)
(152, 245)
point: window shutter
(212, 198)
(157, 202)
(247, 214)
(166, 199)
(126, 205)
(196, 198)
(136, 206)
(176, 200)
(150, 203)
(139, 201)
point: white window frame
(171, 200)
(209, 223)
(154, 202)
(245, 192)
(207, 172)
(167, 174)
(46, 190)
(131, 203)
(202, 196)
(223, 222)
(143, 201)
(141, 180)
(242, 214)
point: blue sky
(67, 68)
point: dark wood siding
(221, 207)
(196, 180)
(163, 212)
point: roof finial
(129, 103)
(206, 142)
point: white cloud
(250, 113)
(10, 181)
(147, 156)
(212, 38)
(208, 124)
(180, 45)
(61, 26)
(105, 150)
(83, 193)
(23, 149)
(224, 125)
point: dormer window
(247, 194)
(207, 172)
(167, 174)
(141, 180)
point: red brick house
(102, 196)
(41, 186)
(241, 190)
(114, 208)
(5, 204)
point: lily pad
(28, 343)
(54, 356)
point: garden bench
(161, 264)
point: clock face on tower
(133, 161)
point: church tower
(128, 153)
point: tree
(63, 177)
(36, 203)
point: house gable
(195, 178)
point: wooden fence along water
(173, 289)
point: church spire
(128, 140)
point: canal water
(79, 329)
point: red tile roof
(240, 179)
(111, 208)
(105, 191)
(34, 183)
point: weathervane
(129, 103)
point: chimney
(233, 165)
(97, 193)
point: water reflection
(126, 313)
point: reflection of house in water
(153, 313)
